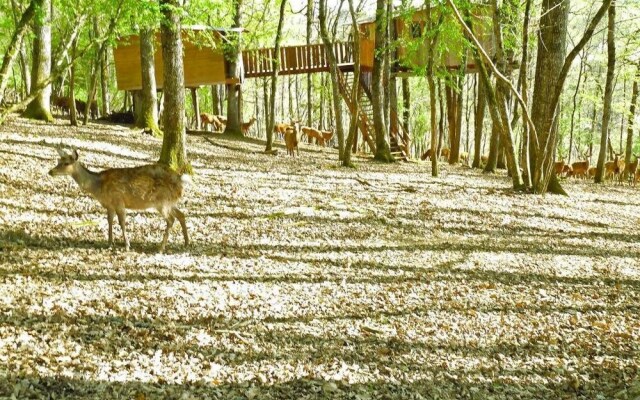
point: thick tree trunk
(550, 59)
(333, 71)
(551, 73)
(174, 151)
(608, 93)
(15, 44)
(383, 152)
(500, 100)
(275, 65)
(148, 103)
(232, 53)
(353, 124)
(39, 108)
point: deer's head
(66, 163)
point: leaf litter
(306, 280)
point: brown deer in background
(247, 125)
(210, 119)
(291, 141)
(580, 169)
(614, 168)
(630, 170)
(138, 188)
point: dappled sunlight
(304, 277)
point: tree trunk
(39, 108)
(575, 105)
(494, 143)
(435, 150)
(104, 82)
(406, 106)
(22, 50)
(265, 101)
(631, 116)
(455, 120)
(232, 53)
(73, 112)
(553, 32)
(215, 100)
(310, 5)
(525, 159)
(174, 151)
(333, 71)
(275, 65)
(383, 152)
(551, 73)
(16, 43)
(608, 93)
(136, 100)
(148, 106)
(479, 125)
(196, 107)
(386, 67)
(353, 124)
(95, 67)
(500, 100)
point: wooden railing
(295, 59)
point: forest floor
(307, 280)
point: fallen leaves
(308, 281)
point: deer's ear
(74, 155)
(61, 152)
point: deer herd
(290, 132)
(616, 170)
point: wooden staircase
(365, 111)
(399, 149)
(398, 146)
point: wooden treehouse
(203, 64)
(206, 65)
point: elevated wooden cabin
(204, 62)
(411, 28)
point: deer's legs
(168, 216)
(121, 212)
(110, 214)
(180, 216)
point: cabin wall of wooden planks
(202, 65)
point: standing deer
(245, 126)
(291, 141)
(138, 188)
(631, 169)
(580, 169)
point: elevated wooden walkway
(296, 59)
(313, 58)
